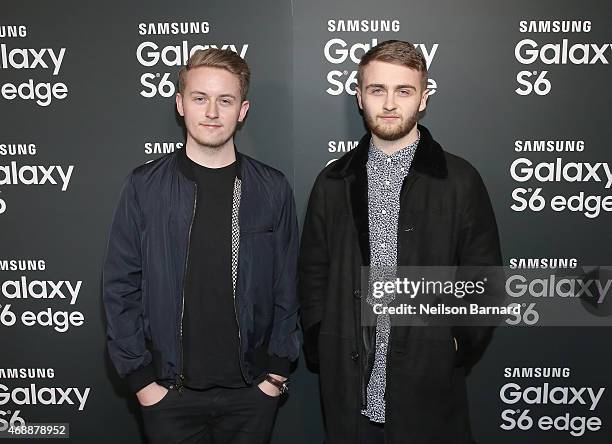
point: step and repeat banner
(520, 89)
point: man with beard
(200, 273)
(397, 199)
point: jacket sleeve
(122, 293)
(285, 338)
(479, 257)
(313, 272)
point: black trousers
(214, 416)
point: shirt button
(383, 245)
(389, 160)
(387, 182)
(402, 169)
(384, 212)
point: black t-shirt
(210, 327)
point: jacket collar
(185, 167)
(428, 159)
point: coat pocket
(428, 363)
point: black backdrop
(63, 159)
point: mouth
(389, 118)
(210, 125)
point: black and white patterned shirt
(385, 177)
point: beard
(390, 132)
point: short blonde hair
(218, 58)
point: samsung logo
(371, 25)
(173, 28)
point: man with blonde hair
(200, 273)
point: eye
(376, 91)
(199, 99)
(404, 92)
(226, 101)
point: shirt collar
(403, 156)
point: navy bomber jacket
(144, 270)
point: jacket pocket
(256, 230)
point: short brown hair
(398, 53)
(218, 58)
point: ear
(424, 98)
(244, 108)
(358, 93)
(179, 104)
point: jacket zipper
(242, 372)
(181, 377)
(239, 337)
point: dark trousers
(370, 432)
(214, 416)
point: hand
(269, 389)
(151, 394)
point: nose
(389, 104)
(212, 111)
